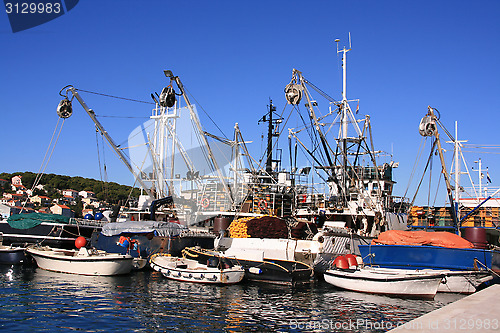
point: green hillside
(105, 191)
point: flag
(488, 177)
(357, 109)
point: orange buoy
(341, 262)
(80, 242)
(351, 260)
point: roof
(63, 206)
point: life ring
(262, 204)
(205, 202)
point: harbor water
(36, 300)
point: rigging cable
(415, 165)
(201, 107)
(430, 182)
(102, 170)
(46, 160)
(117, 97)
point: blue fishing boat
(430, 257)
(431, 249)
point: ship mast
(272, 124)
(344, 109)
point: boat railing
(87, 222)
(487, 217)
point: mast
(269, 161)
(456, 172)
(431, 130)
(203, 137)
(272, 124)
(344, 112)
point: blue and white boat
(474, 256)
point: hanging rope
(46, 160)
(102, 170)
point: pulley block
(293, 93)
(167, 97)
(64, 109)
(427, 126)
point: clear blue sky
(235, 55)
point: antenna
(350, 40)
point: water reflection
(34, 299)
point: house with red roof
(17, 180)
(86, 194)
(42, 200)
(62, 210)
(70, 193)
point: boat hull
(148, 245)
(67, 261)
(462, 282)
(430, 257)
(266, 270)
(170, 269)
(385, 283)
(11, 255)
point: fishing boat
(353, 201)
(394, 282)
(82, 261)
(424, 249)
(342, 198)
(259, 268)
(49, 229)
(216, 270)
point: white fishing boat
(216, 271)
(386, 282)
(83, 261)
(462, 282)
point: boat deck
(475, 313)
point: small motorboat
(12, 255)
(216, 271)
(391, 282)
(83, 261)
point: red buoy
(80, 242)
(351, 260)
(341, 262)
